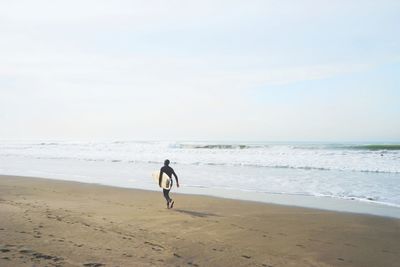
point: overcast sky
(200, 70)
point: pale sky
(200, 70)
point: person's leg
(170, 202)
(166, 195)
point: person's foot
(172, 204)
(167, 205)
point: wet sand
(58, 223)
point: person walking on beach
(168, 171)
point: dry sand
(57, 223)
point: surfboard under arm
(166, 181)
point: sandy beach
(59, 223)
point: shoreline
(304, 201)
(290, 200)
(62, 223)
(124, 171)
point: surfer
(168, 171)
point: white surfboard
(166, 181)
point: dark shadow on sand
(196, 213)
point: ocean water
(350, 171)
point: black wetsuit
(168, 171)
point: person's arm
(176, 178)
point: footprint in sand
(93, 264)
(26, 251)
(350, 245)
(156, 247)
(38, 255)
